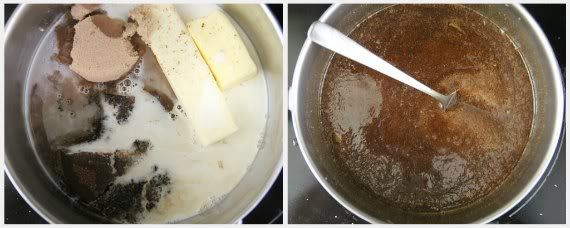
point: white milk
(200, 176)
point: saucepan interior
(25, 31)
(547, 121)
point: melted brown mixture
(396, 141)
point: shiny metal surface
(330, 38)
(547, 123)
(24, 31)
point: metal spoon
(334, 40)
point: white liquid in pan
(200, 176)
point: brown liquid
(396, 141)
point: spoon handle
(334, 40)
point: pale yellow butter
(163, 30)
(223, 49)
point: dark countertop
(310, 203)
(269, 210)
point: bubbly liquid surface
(396, 141)
(198, 176)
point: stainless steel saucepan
(24, 32)
(547, 123)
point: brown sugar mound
(80, 11)
(100, 53)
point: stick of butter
(223, 49)
(162, 29)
